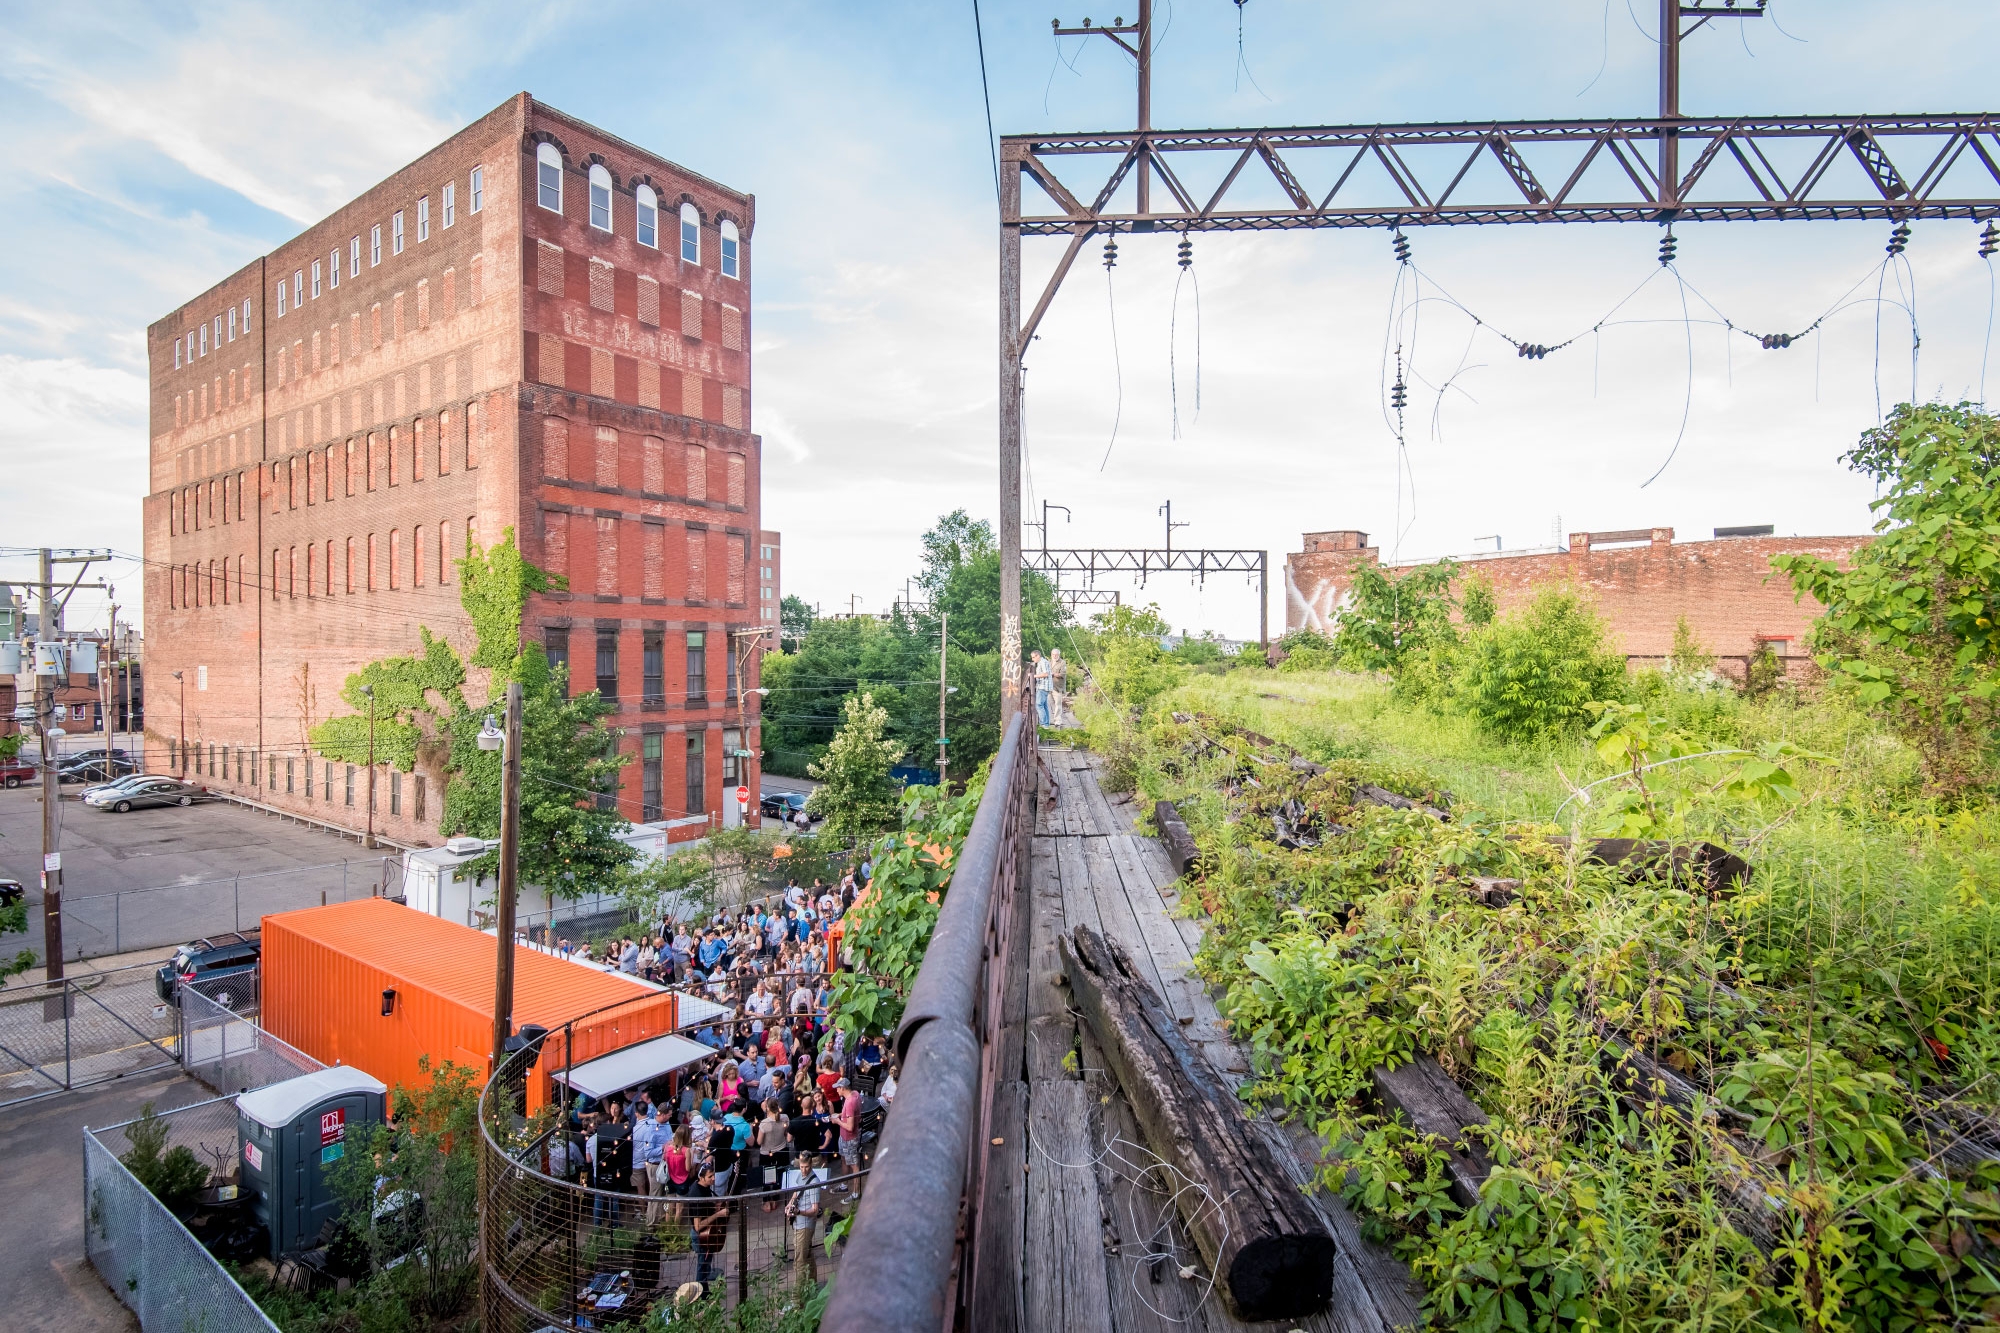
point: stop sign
(742, 796)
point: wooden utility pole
(510, 876)
(48, 639)
(944, 637)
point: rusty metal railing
(908, 1265)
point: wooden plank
(997, 1266)
(1079, 906)
(1120, 926)
(1434, 1105)
(1063, 1259)
(1049, 1030)
(1008, 1062)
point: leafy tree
(422, 715)
(411, 1188)
(1690, 656)
(1476, 604)
(1132, 668)
(1533, 673)
(10, 746)
(795, 621)
(174, 1175)
(1912, 616)
(1389, 616)
(857, 797)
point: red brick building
(535, 326)
(1642, 581)
(770, 582)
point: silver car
(147, 792)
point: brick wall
(1726, 588)
(491, 375)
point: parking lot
(155, 878)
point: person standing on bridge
(1039, 669)
(1058, 671)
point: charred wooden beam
(1271, 1256)
(1434, 1105)
(1383, 796)
(1717, 870)
(1175, 838)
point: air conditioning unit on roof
(465, 846)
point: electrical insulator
(1989, 241)
(1532, 351)
(1775, 342)
(1402, 244)
(1667, 247)
(1899, 238)
(1187, 251)
(1111, 252)
(1398, 394)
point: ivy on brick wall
(422, 712)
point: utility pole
(107, 687)
(181, 684)
(48, 639)
(1140, 48)
(510, 865)
(944, 635)
(1168, 510)
(751, 640)
(369, 841)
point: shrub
(174, 1175)
(1530, 673)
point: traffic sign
(742, 796)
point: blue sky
(166, 145)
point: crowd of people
(787, 1106)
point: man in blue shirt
(711, 951)
(649, 1145)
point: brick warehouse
(1642, 580)
(534, 326)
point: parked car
(95, 768)
(11, 891)
(785, 805)
(14, 772)
(125, 796)
(128, 780)
(224, 967)
(99, 753)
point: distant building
(1642, 581)
(770, 585)
(535, 326)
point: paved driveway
(208, 868)
(48, 1284)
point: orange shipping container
(325, 971)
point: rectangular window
(327, 786)
(728, 255)
(204, 340)
(649, 222)
(281, 297)
(273, 784)
(316, 280)
(218, 333)
(354, 257)
(177, 354)
(607, 663)
(690, 240)
(732, 762)
(419, 813)
(350, 784)
(650, 747)
(730, 679)
(173, 753)
(424, 218)
(396, 232)
(697, 781)
(298, 288)
(555, 646)
(246, 316)
(654, 659)
(232, 323)
(478, 188)
(375, 245)
(333, 268)
(697, 666)
(395, 791)
(309, 779)
(450, 205)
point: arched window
(600, 197)
(730, 267)
(548, 177)
(649, 216)
(690, 234)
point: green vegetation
(896, 662)
(10, 746)
(174, 1175)
(424, 715)
(856, 796)
(1768, 1105)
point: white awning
(633, 1066)
(691, 1011)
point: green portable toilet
(289, 1136)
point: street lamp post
(369, 841)
(509, 745)
(751, 638)
(182, 684)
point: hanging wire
(1687, 404)
(1989, 243)
(1117, 370)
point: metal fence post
(239, 903)
(69, 1010)
(742, 1254)
(118, 923)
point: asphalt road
(206, 869)
(49, 1285)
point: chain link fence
(227, 1050)
(156, 1263)
(88, 1029)
(98, 925)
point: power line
(986, 94)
